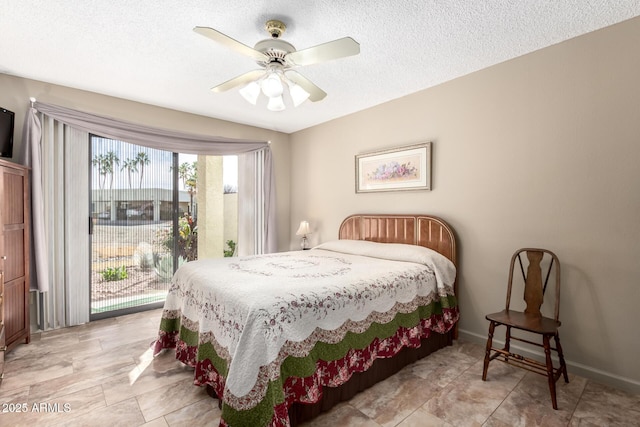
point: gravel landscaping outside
(136, 247)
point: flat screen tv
(6, 132)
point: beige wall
(543, 150)
(15, 93)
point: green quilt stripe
(172, 325)
(189, 337)
(259, 415)
(206, 351)
(304, 366)
(169, 325)
(301, 367)
(450, 301)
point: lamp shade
(251, 92)
(276, 104)
(272, 86)
(303, 230)
(298, 95)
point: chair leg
(563, 365)
(507, 339)
(550, 376)
(487, 354)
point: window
(146, 206)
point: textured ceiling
(146, 51)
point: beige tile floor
(103, 373)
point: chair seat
(524, 321)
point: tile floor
(103, 373)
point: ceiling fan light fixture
(298, 94)
(272, 86)
(277, 58)
(276, 104)
(251, 92)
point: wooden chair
(531, 319)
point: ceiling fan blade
(315, 93)
(324, 52)
(243, 79)
(233, 44)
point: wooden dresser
(14, 257)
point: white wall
(543, 150)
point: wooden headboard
(422, 230)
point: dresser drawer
(3, 349)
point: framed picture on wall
(395, 169)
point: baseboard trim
(585, 371)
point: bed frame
(422, 230)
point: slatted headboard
(422, 230)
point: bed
(279, 338)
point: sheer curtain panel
(56, 145)
(60, 210)
(256, 204)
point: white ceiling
(146, 51)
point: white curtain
(161, 139)
(57, 155)
(256, 203)
(30, 156)
(65, 183)
(56, 145)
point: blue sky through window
(156, 172)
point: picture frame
(397, 169)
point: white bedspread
(255, 306)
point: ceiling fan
(278, 58)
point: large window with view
(153, 210)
